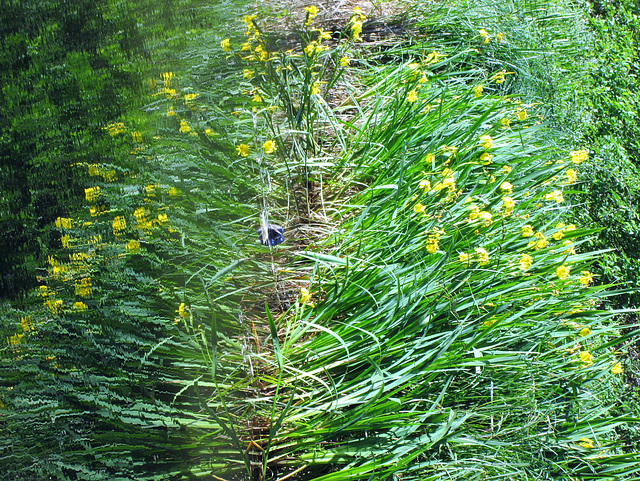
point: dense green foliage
(433, 312)
(612, 193)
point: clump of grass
(457, 326)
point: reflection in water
(124, 214)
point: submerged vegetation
(437, 310)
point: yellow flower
(430, 158)
(486, 158)
(262, 53)
(248, 19)
(432, 246)
(357, 11)
(312, 12)
(269, 147)
(485, 36)
(578, 156)
(585, 278)
(356, 30)
(500, 37)
(527, 230)
(506, 186)
(542, 241)
(345, 62)
(184, 127)
(572, 176)
(486, 142)
(506, 123)
(526, 261)
(248, 74)
(508, 204)
(560, 233)
(555, 195)
(477, 90)
(226, 45)
(463, 257)
(315, 88)
(183, 310)
(257, 98)
(617, 368)
(163, 218)
(522, 114)
(506, 169)
(563, 272)
(500, 76)
(412, 96)
(586, 358)
(243, 150)
(425, 184)
(486, 218)
(585, 331)
(490, 322)
(586, 443)
(483, 256)
(433, 57)
(305, 297)
(418, 208)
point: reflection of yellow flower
(119, 223)
(586, 358)
(617, 368)
(412, 96)
(563, 272)
(226, 45)
(80, 306)
(133, 245)
(269, 147)
(243, 150)
(92, 193)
